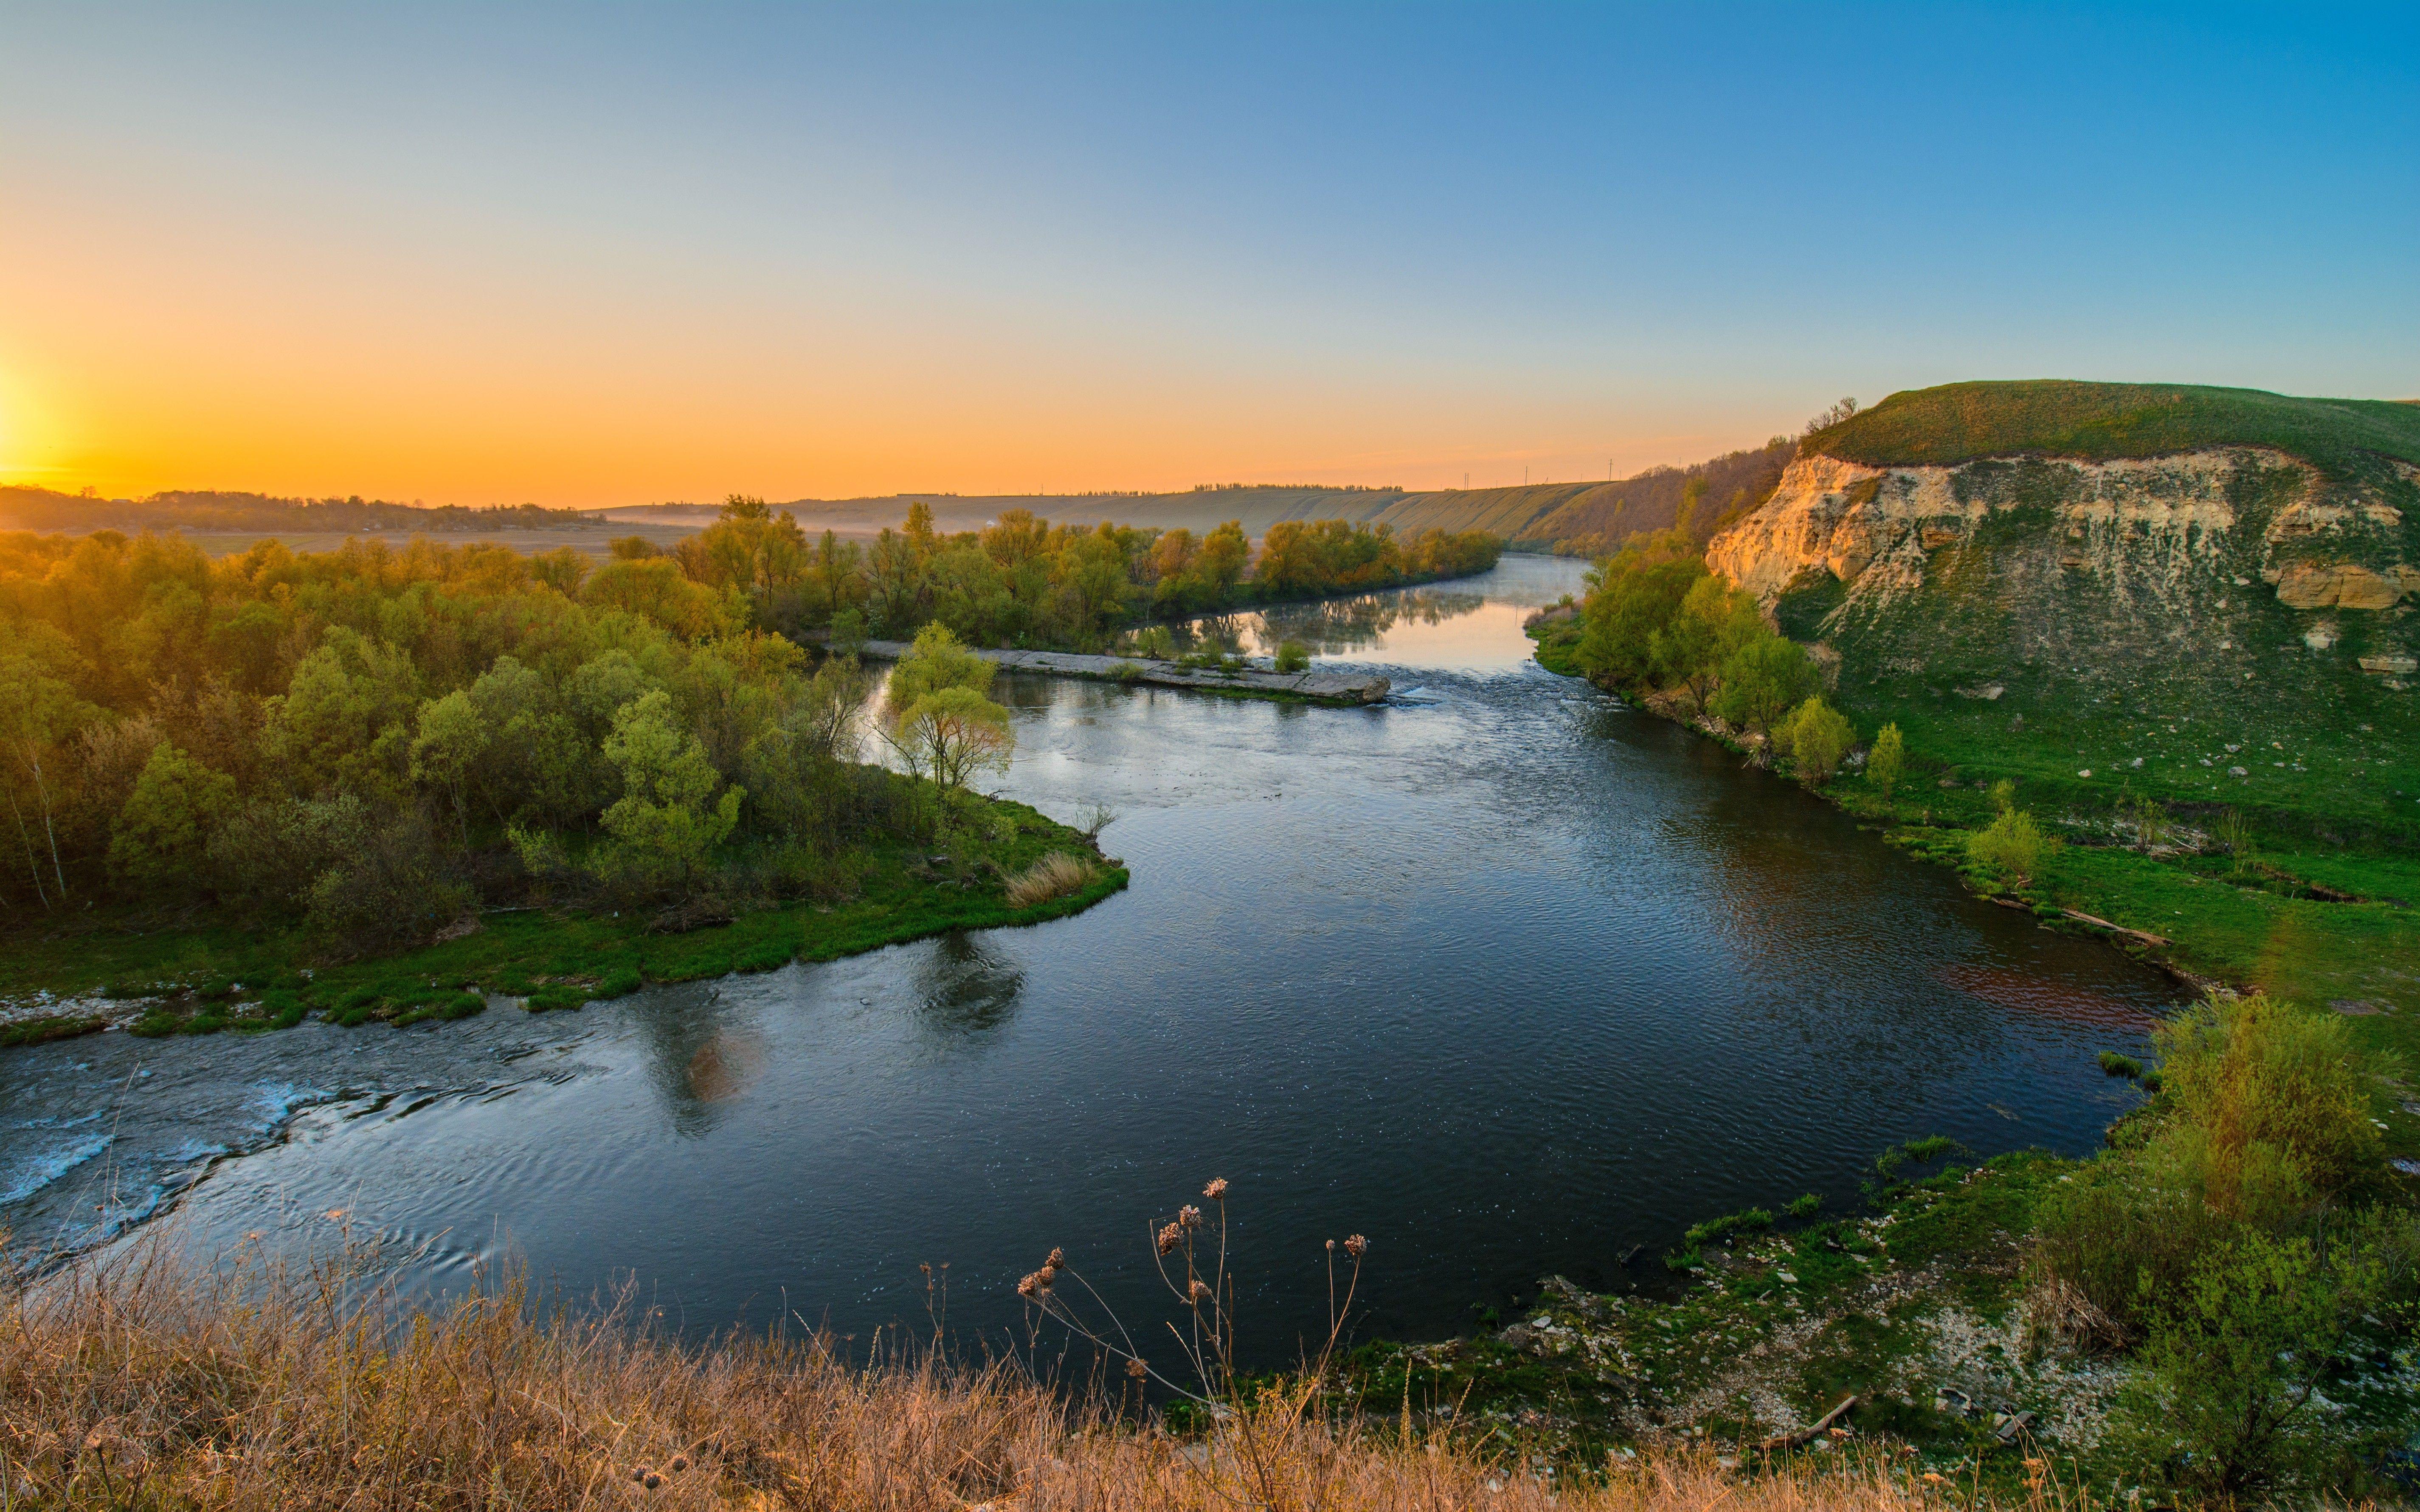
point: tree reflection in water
(965, 990)
(700, 1053)
(1331, 627)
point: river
(1503, 974)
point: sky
(605, 255)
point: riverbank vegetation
(1023, 581)
(247, 770)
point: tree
(952, 732)
(1820, 735)
(1714, 620)
(668, 821)
(936, 661)
(453, 737)
(162, 835)
(38, 712)
(1885, 762)
(1763, 680)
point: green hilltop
(1960, 422)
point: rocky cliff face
(2109, 614)
(2155, 523)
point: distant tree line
(1023, 580)
(44, 509)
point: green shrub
(154, 1024)
(1292, 656)
(2221, 1401)
(202, 1023)
(619, 983)
(1888, 761)
(2012, 847)
(1804, 1207)
(1818, 737)
(2117, 1065)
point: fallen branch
(2144, 936)
(1806, 1436)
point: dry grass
(1055, 876)
(143, 1381)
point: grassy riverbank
(165, 972)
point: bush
(1292, 656)
(1818, 737)
(2117, 1065)
(2269, 1088)
(2013, 846)
(1888, 761)
(2232, 1361)
(1804, 1207)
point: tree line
(374, 738)
(1025, 581)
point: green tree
(38, 711)
(668, 820)
(1887, 762)
(452, 740)
(1765, 678)
(163, 836)
(1820, 735)
(936, 661)
(952, 733)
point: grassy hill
(2111, 635)
(2050, 417)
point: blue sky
(601, 254)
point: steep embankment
(2200, 594)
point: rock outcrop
(1876, 530)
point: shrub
(1292, 656)
(2268, 1087)
(1818, 737)
(2127, 1228)
(2013, 846)
(1055, 876)
(1804, 1207)
(1888, 761)
(2232, 1361)
(2117, 1065)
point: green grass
(552, 959)
(1960, 421)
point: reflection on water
(1332, 627)
(1509, 978)
(965, 989)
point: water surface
(1505, 976)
